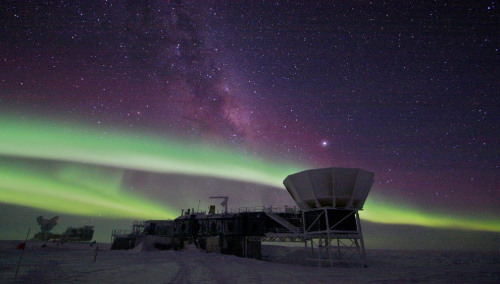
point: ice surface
(72, 263)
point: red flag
(21, 246)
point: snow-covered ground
(74, 263)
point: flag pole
(20, 258)
(96, 249)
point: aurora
(380, 209)
(80, 186)
(135, 152)
(33, 187)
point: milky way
(407, 91)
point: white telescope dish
(330, 187)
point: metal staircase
(283, 222)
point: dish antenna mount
(223, 203)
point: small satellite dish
(47, 224)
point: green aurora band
(135, 152)
(67, 191)
(379, 209)
(23, 186)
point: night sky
(154, 105)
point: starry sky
(135, 109)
